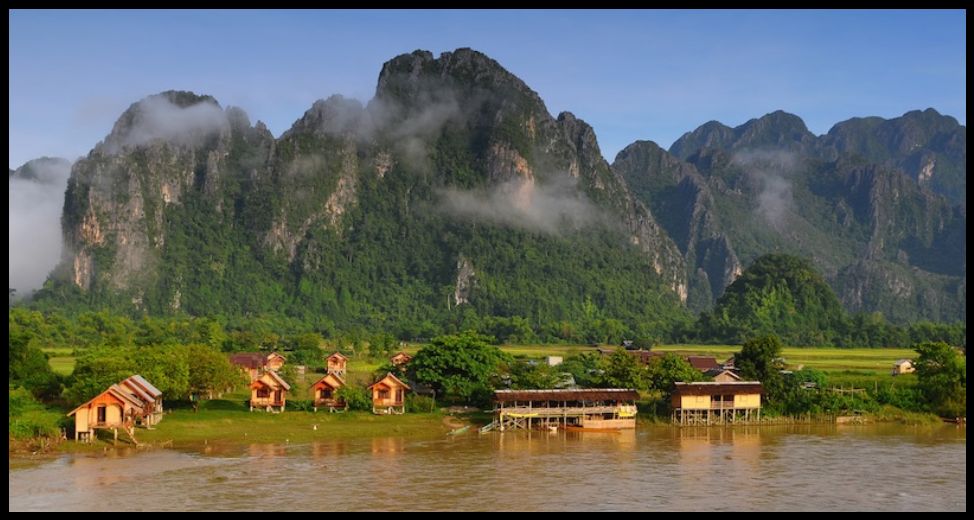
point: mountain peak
(463, 74)
(174, 115)
(778, 129)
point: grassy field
(62, 360)
(229, 421)
(874, 360)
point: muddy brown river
(803, 467)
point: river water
(797, 467)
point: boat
(572, 428)
(460, 430)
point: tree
(458, 366)
(760, 360)
(533, 374)
(942, 378)
(210, 371)
(663, 371)
(587, 368)
(306, 349)
(623, 371)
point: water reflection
(817, 467)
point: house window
(325, 393)
(384, 393)
(101, 414)
(263, 392)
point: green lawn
(230, 421)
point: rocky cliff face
(928, 147)
(676, 192)
(427, 193)
(884, 240)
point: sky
(632, 75)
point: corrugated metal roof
(133, 388)
(715, 388)
(121, 393)
(155, 392)
(588, 394)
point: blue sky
(630, 74)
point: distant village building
(703, 363)
(251, 363)
(716, 402)
(903, 366)
(728, 364)
(335, 364)
(553, 361)
(644, 356)
(122, 405)
(389, 395)
(324, 393)
(722, 375)
(628, 344)
(269, 391)
(400, 359)
(256, 363)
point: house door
(277, 396)
(101, 414)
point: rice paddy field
(864, 361)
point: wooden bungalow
(148, 394)
(722, 375)
(252, 363)
(114, 408)
(717, 402)
(400, 359)
(903, 366)
(324, 393)
(274, 361)
(388, 395)
(336, 364)
(590, 408)
(269, 392)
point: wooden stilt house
(269, 392)
(324, 393)
(389, 395)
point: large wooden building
(123, 405)
(389, 395)
(324, 393)
(591, 408)
(717, 402)
(269, 391)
